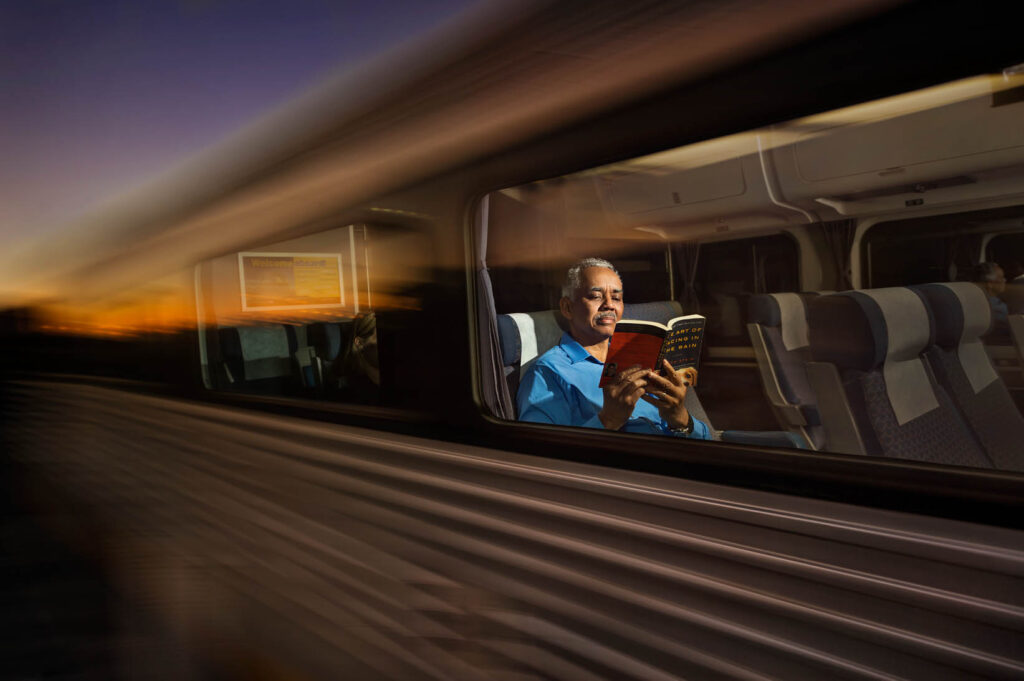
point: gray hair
(986, 271)
(573, 278)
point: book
(647, 343)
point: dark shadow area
(56, 617)
(62, 618)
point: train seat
(525, 336)
(309, 371)
(876, 393)
(962, 315)
(327, 341)
(778, 333)
(658, 311)
(258, 358)
(328, 338)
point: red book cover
(643, 343)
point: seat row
(895, 372)
(525, 336)
(278, 358)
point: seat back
(659, 311)
(872, 344)
(258, 358)
(962, 315)
(778, 334)
(326, 342)
(525, 336)
(328, 338)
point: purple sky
(97, 96)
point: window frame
(993, 497)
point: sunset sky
(98, 97)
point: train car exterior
(305, 460)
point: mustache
(602, 315)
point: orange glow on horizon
(168, 307)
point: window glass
(1008, 248)
(307, 317)
(939, 248)
(972, 246)
(729, 272)
(799, 245)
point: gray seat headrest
(879, 329)
(962, 315)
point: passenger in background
(991, 278)
(562, 385)
(355, 374)
(1013, 296)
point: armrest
(764, 438)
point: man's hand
(668, 394)
(621, 395)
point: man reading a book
(563, 384)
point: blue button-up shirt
(562, 387)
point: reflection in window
(840, 261)
(300, 317)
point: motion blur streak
(388, 557)
(501, 86)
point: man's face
(595, 307)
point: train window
(946, 247)
(1008, 250)
(974, 246)
(729, 272)
(307, 317)
(833, 258)
(900, 254)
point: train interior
(749, 230)
(297, 317)
(813, 248)
(276, 410)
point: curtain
(839, 240)
(686, 255)
(963, 253)
(496, 395)
(975, 254)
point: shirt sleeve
(1000, 311)
(700, 430)
(542, 398)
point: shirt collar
(574, 350)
